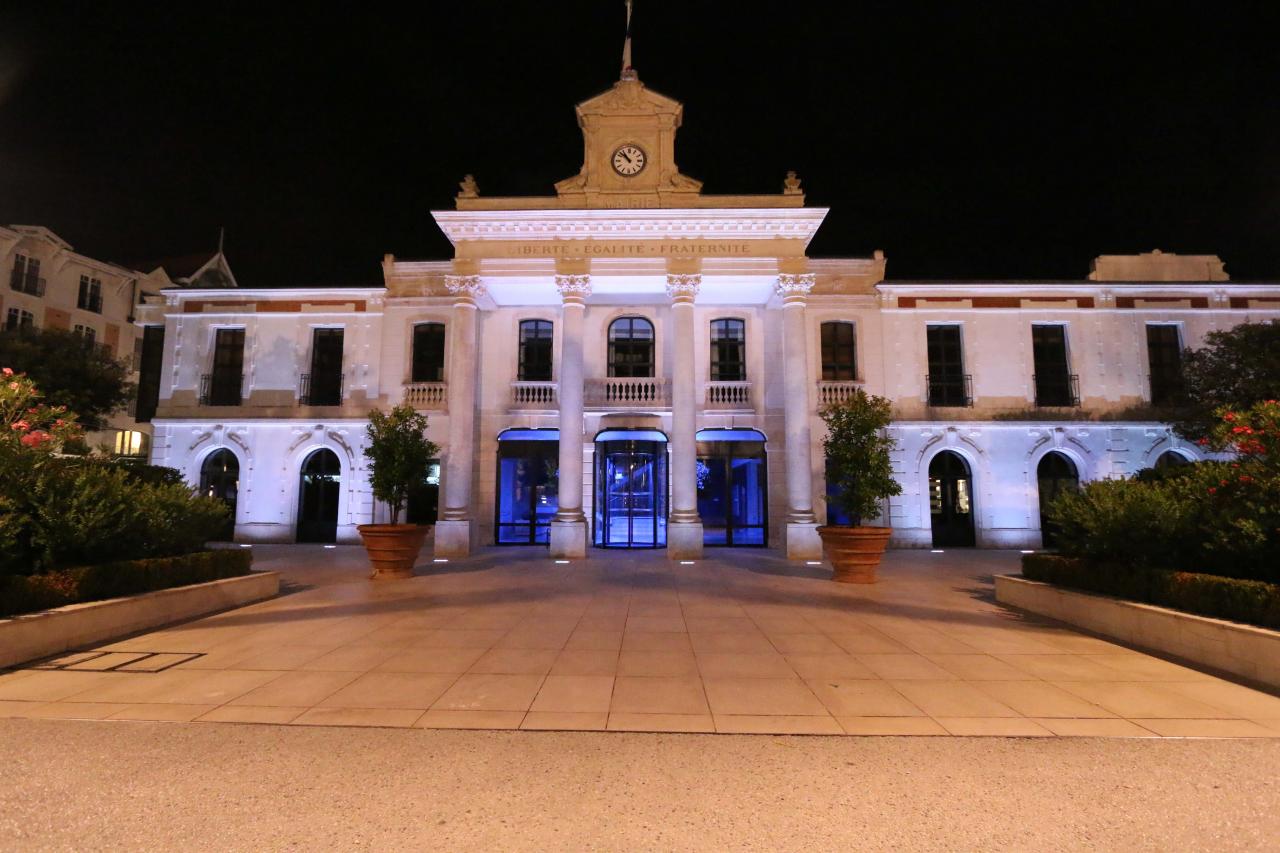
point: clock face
(628, 160)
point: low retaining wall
(1252, 653)
(37, 635)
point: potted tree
(858, 464)
(399, 455)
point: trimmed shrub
(29, 593)
(1246, 601)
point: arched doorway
(1170, 459)
(527, 491)
(318, 497)
(950, 500)
(1055, 474)
(631, 489)
(220, 478)
(733, 496)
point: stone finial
(466, 287)
(794, 286)
(573, 288)
(683, 287)
(468, 186)
(791, 186)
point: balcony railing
(949, 390)
(534, 395)
(323, 389)
(221, 389)
(616, 392)
(1060, 390)
(830, 392)
(728, 395)
(427, 395)
(29, 284)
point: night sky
(967, 140)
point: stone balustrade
(728, 395)
(835, 392)
(628, 392)
(427, 395)
(534, 395)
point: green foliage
(1247, 601)
(858, 449)
(25, 594)
(142, 472)
(58, 512)
(71, 370)
(1233, 370)
(399, 455)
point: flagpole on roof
(628, 73)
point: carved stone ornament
(683, 287)
(794, 285)
(467, 286)
(468, 187)
(573, 287)
(791, 186)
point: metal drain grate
(118, 661)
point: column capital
(794, 287)
(574, 289)
(467, 288)
(682, 288)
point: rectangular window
(85, 332)
(948, 385)
(535, 351)
(1055, 386)
(18, 319)
(222, 387)
(323, 386)
(149, 372)
(839, 353)
(728, 351)
(428, 352)
(25, 277)
(90, 297)
(1164, 355)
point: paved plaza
(741, 642)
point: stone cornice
(653, 224)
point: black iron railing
(322, 389)
(1057, 389)
(949, 390)
(25, 283)
(221, 389)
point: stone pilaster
(802, 538)
(455, 529)
(569, 525)
(684, 527)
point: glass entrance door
(318, 498)
(732, 491)
(528, 486)
(631, 494)
(950, 500)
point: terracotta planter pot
(854, 552)
(393, 548)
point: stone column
(454, 529)
(684, 527)
(569, 525)
(802, 538)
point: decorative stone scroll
(683, 287)
(466, 287)
(574, 288)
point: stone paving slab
(741, 642)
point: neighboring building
(632, 363)
(52, 286)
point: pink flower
(35, 439)
(13, 386)
(1212, 490)
(8, 371)
(21, 425)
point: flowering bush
(27, 422)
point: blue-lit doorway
(631, 489)
(527, 494)
(733, 494)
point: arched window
(535, 351)
(728, 350)
(220, 478)
(839, 352)
(950, 500)
(428, 352)
(1171, 459)
(631, 347)
(320, 486)
(1055, 474)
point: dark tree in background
(1236, 367)
(71, 370)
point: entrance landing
(739, 642)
